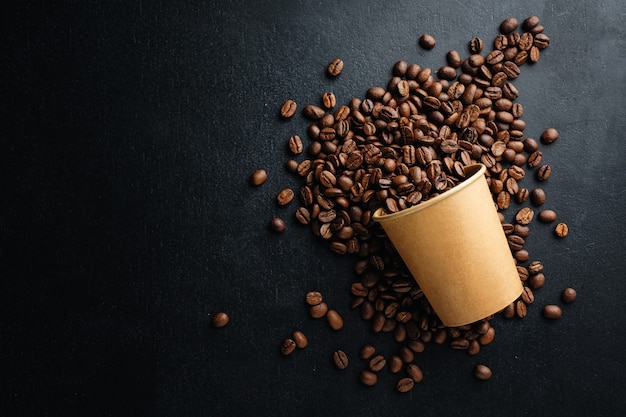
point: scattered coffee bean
(568, 295)
(377, 363)
(546, 216)
(537, 197)
(335, 67)
(340, 359)
(561, 230)
(319, 310)
(368, 378)
(313, 298)
(220, 320)
(543, 172)
(334, 320)
(300, 339)
(552, 312)
(285, 196)
(258, 177)
(405, 384)
(287, 347)
(277, 225)
(549, 135)
(328, 100)
(367, 351)
(427, 41)
(395, 364)
(414, 372)
(482, 372)
(295, 145)
(288, 109)
(524, 216)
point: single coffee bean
(549, 135)
(522, 195)
(524, 216)
(546, 216)
(258, 177)
(531, 145)
(543, 172)
(485, 339)
(414, 372)
(405, 384)
(318, 311)
(300, 339)
(288, 109)
(568, 295)
(536, 281)
(520, 309)
(287, 347)
(295, 145)
(535, 267)
(377, 363)
(527, 295)
(367, 351)
(530, 23)
(285, 196)
(340, 359)
(427, 41)
(476, 45)
(561, 229)
(454, 59)
(552, 312)
(509, 311)
(329, 100)
(537, 196)
(334, 320)
(368, 378)
(335, 67)
(277, 225)
(534, 159)
(220, 320)
(482, 372)
(313, 298)
(395, 364)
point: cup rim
(476, 171)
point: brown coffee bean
(543, 172)
(295, 145)
(530, 23)
(220, 320)
(335, 67)
(427, 41)
(527, 295)
(340, 359)
(414, 372)
(549, 136)
(368, 378)
(524, 216)
(367, 351)
(285, 196)
(277, 225)
(300, 339)
(534, 159)
(395, 364)
(552, 312)
(568, 295)
(319, 310)
(536, 281)
(537, 196)
(334, 320)
(377, 363)
(287, 347)
(482, 372)
(329, 100)
(258, 177)
(509, 311)
(546, 216)
(520, 309)
(405, 384)
(561, 229)
(313, 298)
(454, 59)
(288, 109)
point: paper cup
(455, 248)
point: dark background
(129, 131)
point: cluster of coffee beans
(408, 142)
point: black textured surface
(128, 135)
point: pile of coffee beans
(403, 144)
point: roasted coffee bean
(427, 41)
(287, 347)
(414, 372)
(395, 364)
(568, 295)
(313, 298)
(476, 45)
(335, 67)
(285, 196)
(335, 321)
(536, 281)
(303, 215)
(543, 172)
(368, 378)
(509, 311)
(277, 225)
(522, 195)
(535, 267)
(258, 177)
(537, 197)
(328, 100)
(288, 109)
(405, 384)
(546, 216)
(319, 310)
(313, 112)
(367, 352)
(220, 320)
(295, 145)
(530, 23)
(377, 363)
(524, 216)
(454, 59)
(482, 372)
(300, 339)
(534, 159)
(527, 295)
(549, 136)
(561, 229)
(552, 312)
(340, 359)
(488, 337)
(520, 309)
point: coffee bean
(340, 359)
(405, 384)
(546, 216)
(328, 100)
(534, 159)
(313, 298)
(395, 364)
(319, 310)
(530, 23)
(377, 363)
(334, 320)
(549, 135)
(258, 177)
(543, 172)
(220, 320)
(335, 67)
(414, 372)
(288, 109)
(285, 196)
(561, 229)
(537, 196)
(482, 372)
(536, 281)
(520, 309)
(527, 295)
(427, 41)
(287, 347)
(300, 339)
(552, 312)
(454, 59)
(524, 216)
(568, 295)
(367, 351)
(313, 112)
(488, 337)
(368, 378)
(277, 225)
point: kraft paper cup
(455, 248)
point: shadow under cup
(456, 249)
